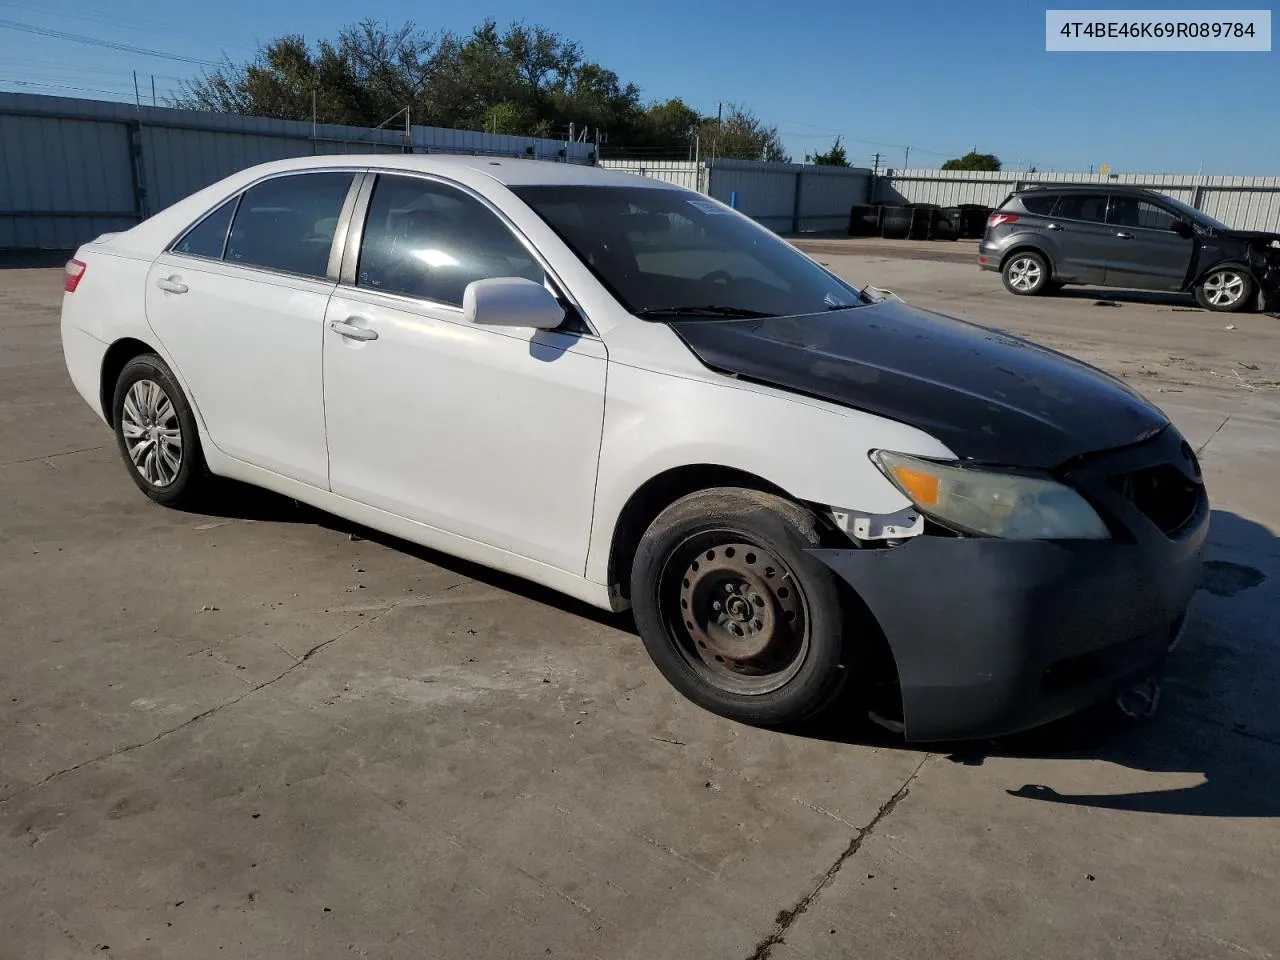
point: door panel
(1083, 240)
(1152, 256)
(248, 344)
(239, 304)
(490, 434)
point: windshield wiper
(709, 310)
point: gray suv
(1044, 237)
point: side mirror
(1183, 229)
(511, 302)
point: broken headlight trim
(992, 503)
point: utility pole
(875, 165)
(153, 90)
(906, 158)
(313, 114)
(137, 100)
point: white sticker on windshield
(708, 206)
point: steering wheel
(717, 276)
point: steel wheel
(1025, 274)
(1224, 288)
(738, 615)
(152, 433)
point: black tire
(781, 627)
(1225, 290)
(153, 472)
(1025, 273)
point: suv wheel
(1227, 290)
(1026, 274)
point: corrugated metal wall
(72, 169)
(767, 192)
(1246, 203)
(683, 173)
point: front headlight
(991, 502)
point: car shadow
(1202, 726)
(233, 500)
(1213, 718)
(1112, 297)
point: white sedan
(635, 395)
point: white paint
(508, 446)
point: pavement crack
(51, 456)
(1200, 452)
(785, 918)
(204, 714)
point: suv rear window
(1083, 206)
(1040, 204)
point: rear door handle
(345, 328)
(1124, 236)
(1055, 226)
(171, 285)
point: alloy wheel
(152, 434)
(1224, 288)
(1024, 274)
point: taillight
(998, 218)
(74, 271)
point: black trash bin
(864, 220)
(896, 222)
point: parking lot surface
(258, 732)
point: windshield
(1197, 215)
(671, 253)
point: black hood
(988, 396)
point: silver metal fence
(71, 169)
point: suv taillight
(998, 218)
(74, 271)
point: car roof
(1085, 188)
(509, 171)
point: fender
(814, 450)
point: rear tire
(156, 433)
(1225, 290)
(1025, 274)
(734, 610)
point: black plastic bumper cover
(995, 636)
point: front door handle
(1124, 236)
(345, 328)
(1055, 226)
(171, 285)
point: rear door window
(287, 223)
(1083, 206)
(1040, 204)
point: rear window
(209, 236)
(1039, 203)
(1083, 206)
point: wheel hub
(742, 611)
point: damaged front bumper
(992, 636)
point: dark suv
(1044, 237)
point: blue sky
(939, 76)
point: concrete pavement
(258, 732)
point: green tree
(835, 157)
(740, 135)
(973, 161)
(519, 79)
